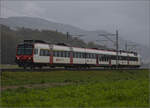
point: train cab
(24, 54)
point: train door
(36, 55)
(109, 61)
(51, 54)
(97, 59)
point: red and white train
(34, 53)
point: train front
(24, 55)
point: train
(38, 53)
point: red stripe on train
(97, 60)
(51, 58)
(71, 57)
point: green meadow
(103, 88)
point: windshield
(24, 49)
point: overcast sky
(130, 17)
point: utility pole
(115, 42)
(67, 35)
(126, 46)
(117, 47)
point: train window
(80, 55)
(57, 53)
(112, 57)
(94, 55)
(119, 58)
(65, 54)
(68, 54)
(87, 55)
(24, 49)
(20, 51)
(53, 53)
(125, 58)
(90, 55)
(122, 58)
(100, 57)
(48, 53)
(105, 59)
(41, 52)
(74, 55)
(61, 54)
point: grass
(8, 66)
(87, 89)
(22, 78)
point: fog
(131, 18)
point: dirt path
(36, 85)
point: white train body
(58, 55)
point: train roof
(66, 47)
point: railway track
(61, 69)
